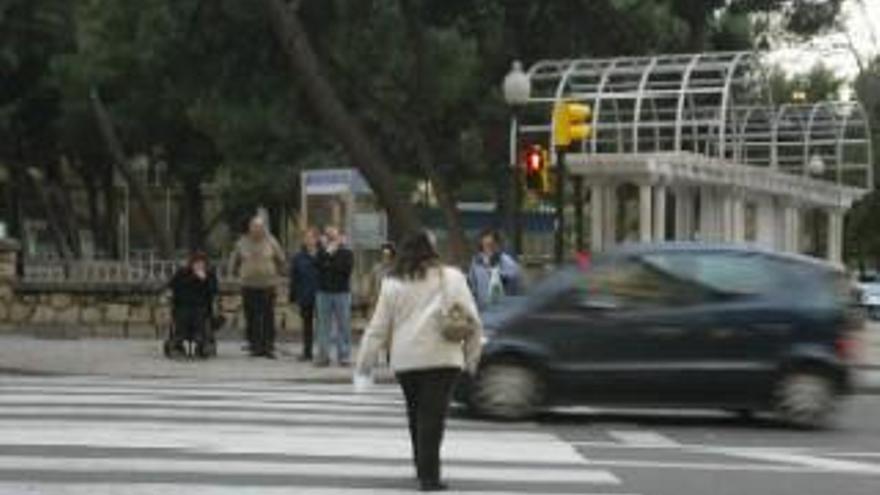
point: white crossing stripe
(804, 460)
(642, 438)
(164, 489)
(72, 436)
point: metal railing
(101, 272)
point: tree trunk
(458, 250)
(55, 227)
(195, 214)
(111, 220)
(138, 190)
(305, 67)
(59, 197)
(425, 154)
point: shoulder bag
(456, 321)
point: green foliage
(202, 84)
(819, 84)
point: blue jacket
(304, 278)
(480, 274)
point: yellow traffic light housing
(570, 123)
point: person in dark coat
(304, 277)
(193, 290)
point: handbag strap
(444, 303)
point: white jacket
(405, 320)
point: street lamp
(517, 88)
(816, 165)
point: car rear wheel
(509, 391)
(806, 399)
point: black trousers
(427, 394)
(259, 314)
(307, 313)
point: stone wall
(65, 310)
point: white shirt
(406, 321)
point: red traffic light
(535, 164)
(534, 159)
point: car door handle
(665, 331)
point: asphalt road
(702, 453)
(93, 435)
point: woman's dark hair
(417, 253)
(195, 257)
(494, 234)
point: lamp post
(517, 88)
(816, 165)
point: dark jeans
(307, 313)
(427, 394)
(259, 313)
(190, 323)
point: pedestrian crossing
(96, 435)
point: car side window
(732, 274)
(637, 283)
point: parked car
(680, 325)
(869, 285)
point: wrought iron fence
(98, 272)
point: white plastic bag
(362, 381)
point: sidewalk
(144, 359)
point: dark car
(673, 325)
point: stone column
(725, 220)
(597, 217)
(659, 213)
(645, 213)
(708, 215)
(684, 215)
(765, 220)
(609, 215)
(835, 235)
(738, 218)
(792, 228)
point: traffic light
(570, 123)
(535, 161)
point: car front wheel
(509, 391)
(806, 400)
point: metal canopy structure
(711, 104)
(700, 130)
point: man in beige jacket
(258, 262)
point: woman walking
(411, 319)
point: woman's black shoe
(433, 486)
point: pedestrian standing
(304, 278)
(333, 301)
(193, 291)
(493, 273)
(258, 261)
(408, 322)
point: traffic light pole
(561, 178)
(518, 185)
